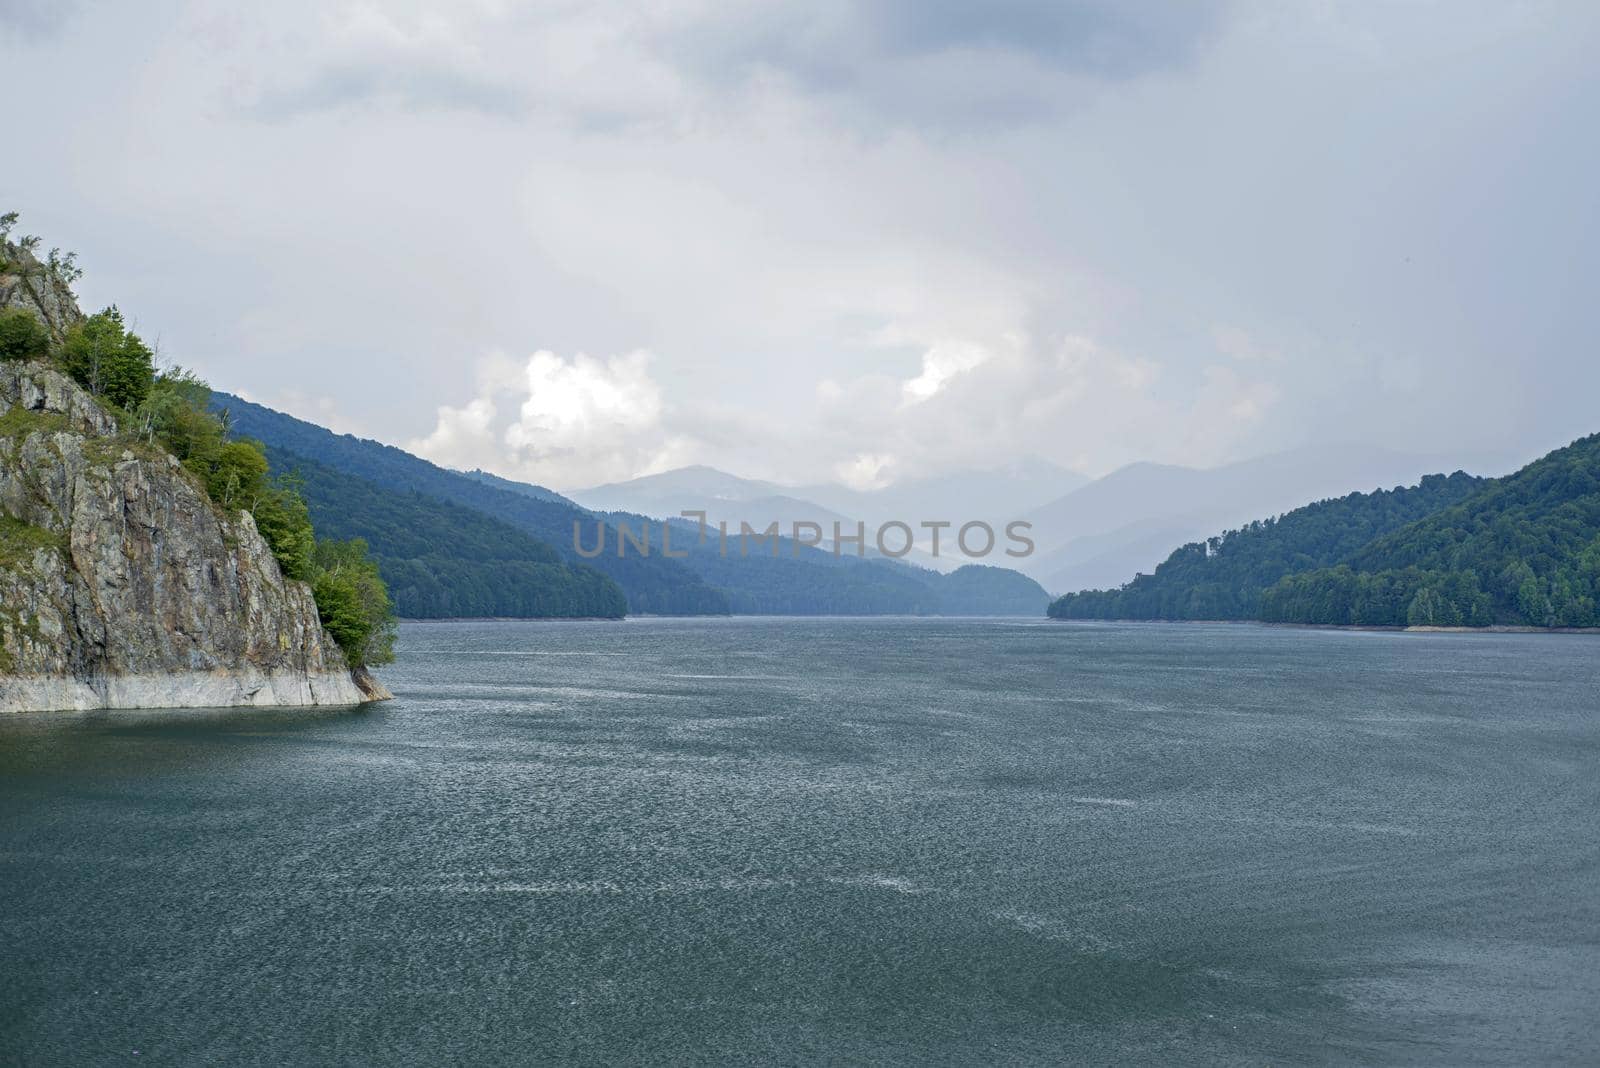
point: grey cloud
(945, 60)
(1105, 38)
(34, 17)
(411, 87)
(1395, 205)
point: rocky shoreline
(122, 585)
(185, 689)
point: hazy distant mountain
(1452, 551)
(660, 494)
(995, 496)
(526, 489)
(721, 496)
(1100, 561)
(448, 559)
(1099, 536)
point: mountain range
(995, 496)
(454, 543)
(1087, 533)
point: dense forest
(1523, 550)
(441, 560)
(1519, 550)
(167, 411)
(1224, 577)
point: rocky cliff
(122, 585)
(42, 288)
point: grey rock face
(122, 585)
(25, 282)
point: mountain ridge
(1453, 551)
(786, 578)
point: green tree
(108, 360)
(238, 476)
(285, 524)
(22, 335)
(353, 602)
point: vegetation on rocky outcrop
(127, 430)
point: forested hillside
(395, 497)
(652, 584)
(442, 560)
(1225, 577)
(981, 590)
(1523, 550)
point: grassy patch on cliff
(19, 541)
(19, 422)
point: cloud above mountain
(576, 420)
(870, 240)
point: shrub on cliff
(22, 335)
(233, 470)
(109, 360)
(353, 602)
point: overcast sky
(817, 239)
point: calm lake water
(828, 841)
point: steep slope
(1224, 577)
(1523, 550)
(442, 560)
(123, 585)
(652, 584)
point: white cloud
(866, 471)
(463, 437)
(576, 421)
(581, 403)
(941, 363)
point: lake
(828, 841)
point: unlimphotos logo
(975, 539)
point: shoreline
(1498, 628)
(246, 687)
